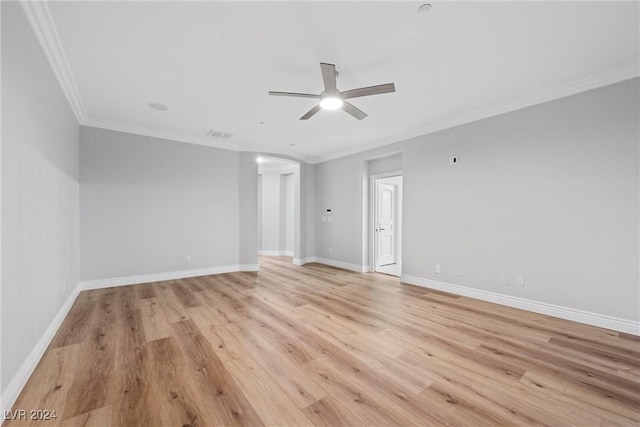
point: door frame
(298, 229)
(373, 203)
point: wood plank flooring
(320, 346)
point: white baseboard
(581, 316)
(19, 380)
(171, 275)
(276, 253)
(347, 266)
(303, 261)
(23, 374)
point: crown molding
(155, 133)
(41, 21)
(561, 91)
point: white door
(385, 227)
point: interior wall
(307, 214)
(278, 211)
(270, 242)
(146, 204)
(39, 206)
(290, 213)
(549, 193)
(339, 186)
(385, 164)
(248, 211)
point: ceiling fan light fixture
(331, 103)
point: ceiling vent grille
(218, 134)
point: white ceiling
(212, 64)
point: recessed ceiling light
(331, 103)
(158, 106)
(424, 9)
(261, 123)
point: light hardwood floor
(315, 345)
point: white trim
(248, 267)
(347, 266)
(370, 215)
(26, 369)
(276, 253)
(1, 397)
(41, 21)
(581, 316)
(159, 277)
(561, 91)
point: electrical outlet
(437, 269)
(505, 279)
(459, 272)
(329, 218)
(519, 281)
(188, 258)
(330, 250)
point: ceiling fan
(332, 99)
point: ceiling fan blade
(299, 95)
(353, 110)
(329, 77)
(370, 90)
(311, 112)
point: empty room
(320, 213)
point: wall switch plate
(437, 269)
(188, 258)
(329, 218)
(504, 279)
(519, 281)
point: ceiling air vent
(218, 134)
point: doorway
(387, 223)
(278, 206)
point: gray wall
(248, 206)
(339, 187)
(277, 210)
(147, 203)
(307, 212)
(390, 163)
(39, 193)
(549, 193)
(289, 209)
(270, 224)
